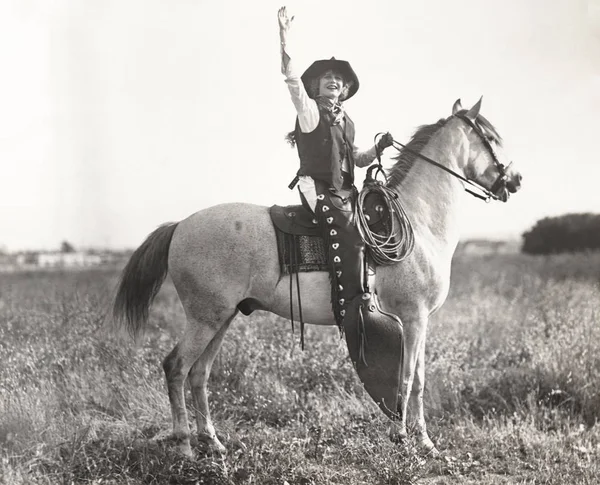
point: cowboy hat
(318, 68)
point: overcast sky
(119, 115)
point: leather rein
(478, 189)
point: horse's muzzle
(513, 184)
(509, 186)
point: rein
(488, 194)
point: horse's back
(222, 253)
(230, 220)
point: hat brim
(318, 68)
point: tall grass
(513, 387)
(519, 335)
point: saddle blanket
(299, 253)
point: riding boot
(374, 337)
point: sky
(119, 115)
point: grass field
(513, 388)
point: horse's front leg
(415, 408)
(414, 343)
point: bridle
(502, 169)
(473, 188)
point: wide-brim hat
(318, 68)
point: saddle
(299, 221)
(300, 240)
(295, 219)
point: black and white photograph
(300, 242)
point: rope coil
(397, 242)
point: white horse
(224, 259)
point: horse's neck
(432, 196)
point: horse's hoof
(185, 449)
(427, 448)
(398, 437)
(431, 453)
(211, 445)
(181, 442)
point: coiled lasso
(398, 241)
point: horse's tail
(142, 278)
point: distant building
(8, 263)
(34, 260)
(27, 259)
(68, 260)
(484, 246)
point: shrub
(566, 233)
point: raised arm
(285, 25)
(306, 108)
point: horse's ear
(457, 106)
(474, 111)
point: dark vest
(322, 150)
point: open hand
(285, 23)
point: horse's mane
(406, 158)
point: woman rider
(324, 136)
(321, 90)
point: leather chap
(373, 337)
(374, 340)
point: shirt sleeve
(306, 107)
(365, 158)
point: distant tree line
(67, 247)
(562, 234)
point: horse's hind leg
(177, 365)
(198, 379)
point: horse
(223, 260)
